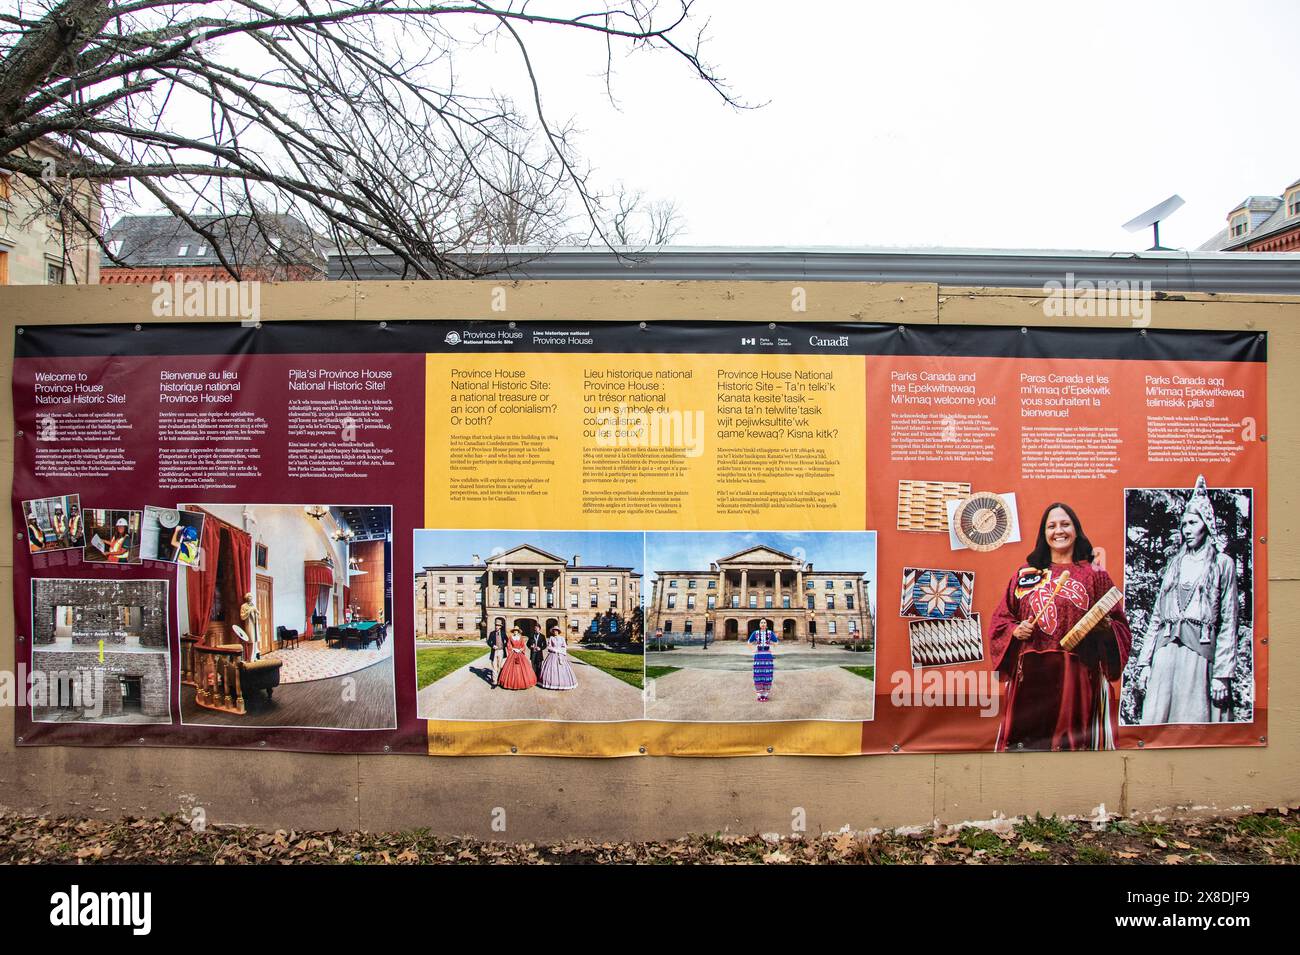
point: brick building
(1261, 224)
(163, 248)
(727, 601)
(43, 239)
(525, 587)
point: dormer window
(115, 247)
(183, 250)
(1239, 225)
(1293, 203)
(201, 250)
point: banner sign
(622, 538)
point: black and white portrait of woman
(1188, 581)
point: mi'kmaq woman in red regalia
(1057, 699)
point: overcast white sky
(1009, 125)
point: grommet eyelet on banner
(1263, 641)
(895, 748)
(1263, 739)
(261, 742)
(383, 324)
(1142, 744)
(769, 749)
(1024, 330)
(1142, 332)
(641, 750)
(642, 326)
(387, 748)
(20, 434)
(140, 740)
(514, 749)
(139, 327)
(771, 325)
(18, 537)
(512, 325)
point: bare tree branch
(350, 116)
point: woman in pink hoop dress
(557, 671)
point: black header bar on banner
(413, 337)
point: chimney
(477, 561)
(577, 559)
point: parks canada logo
(453, 338)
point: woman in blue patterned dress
(764, 664)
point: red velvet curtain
(241, 562)
(315, 576)
(201, 585)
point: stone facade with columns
(727, 600)
(525, 587)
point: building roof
(1175, 271)
(480, 568)
(1268, 216)
(265, 240)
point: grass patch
(1261, 825)
(867, 673)
(1290, 848)
(628, 667)
(1092, 855)
(1051, 829)
(654, 673)
(432, 664)
(983, 839)
(1157, 830)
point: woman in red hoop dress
(517, 672)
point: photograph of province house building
(286, 617)
(564, 633)
(129, 681)
(710, 658)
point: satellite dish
(1153, 217)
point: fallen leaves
(1272, 837)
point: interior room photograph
(286, 617)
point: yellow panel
(649, 738)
